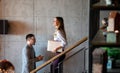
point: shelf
(113, 70)
(99, 40)
(103, 6)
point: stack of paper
(53, 45)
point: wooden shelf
(113, 70)
(100, 41)
(103, 6)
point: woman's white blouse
(59, 36)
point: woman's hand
(55, 50)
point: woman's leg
(55, 64)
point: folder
(52, 45)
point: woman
(59, 36)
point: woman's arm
(62, 39)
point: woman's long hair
(61, 25)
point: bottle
(108, 2)
(109, 63)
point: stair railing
(62, 53)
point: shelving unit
(100, 41)
(103, 6)
(96, 37)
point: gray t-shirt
(28, 59)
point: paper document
(52, 45)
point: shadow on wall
(18, 28)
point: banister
(57, 56)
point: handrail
(57, 56)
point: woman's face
(55, 22)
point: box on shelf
(113, 21)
